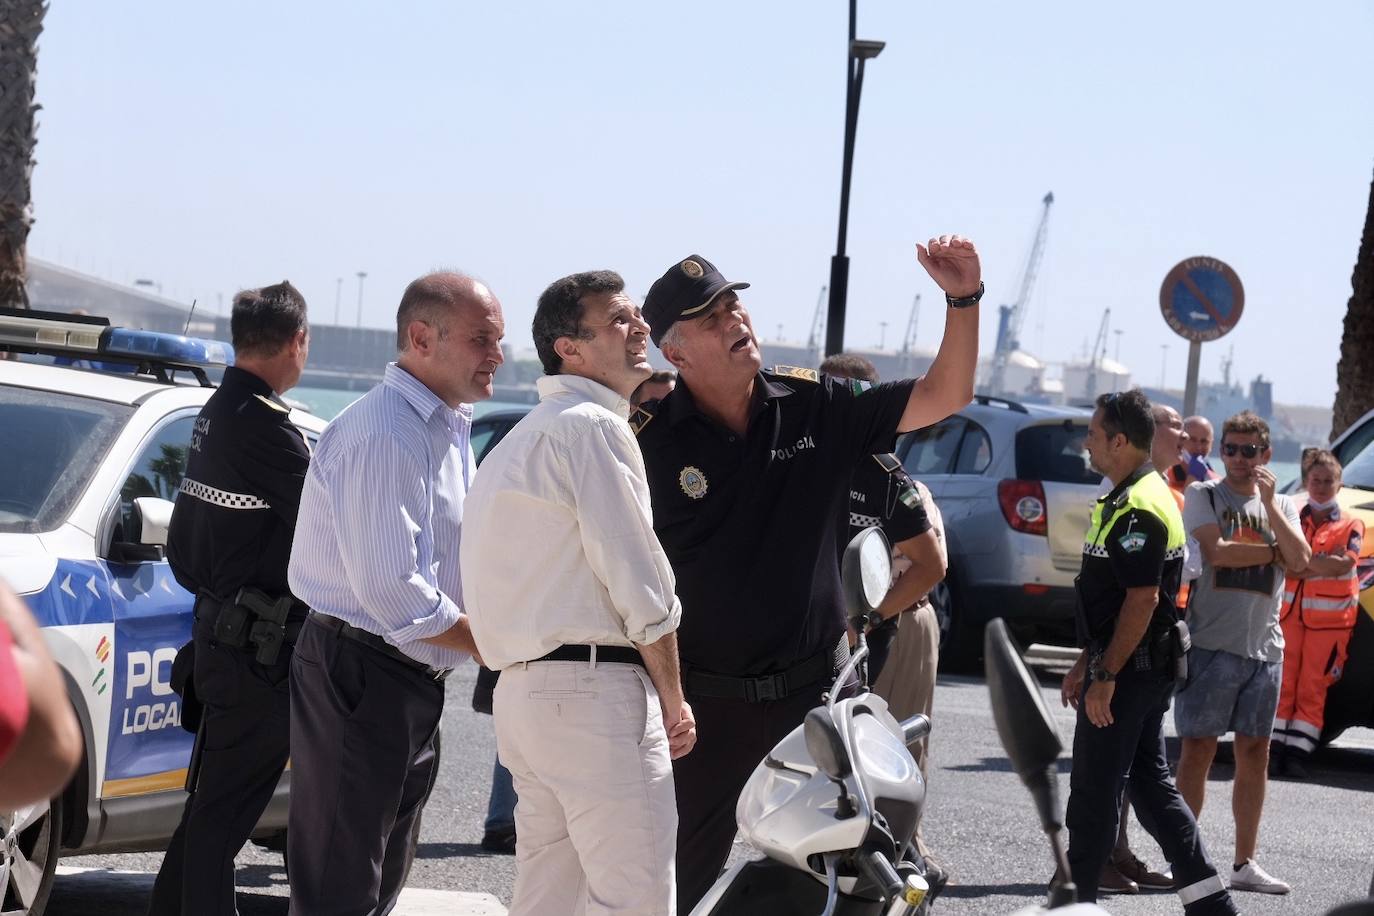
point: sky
(211, 147)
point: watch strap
(964, 302)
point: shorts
(1227, 693)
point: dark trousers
(363, 761)
(1130, 753)
(733, 738)
(247, 723)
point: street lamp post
(856, 54)
(362, 275)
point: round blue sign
(1201, 299)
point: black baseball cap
(687, 289)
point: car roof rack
(92, 339)
(987, 400)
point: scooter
(833, 806)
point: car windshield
(1359, 473)
(57, 441)
(1054, 453)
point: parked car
(1013, 484)
(97, 450)
(491, 428)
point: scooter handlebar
(915, 728)
(880, 871)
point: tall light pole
(856, 54)
(362, 275)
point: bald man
(1198, 447)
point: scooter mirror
(1023, 722)
(824, 743)
(866, 571)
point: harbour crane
(817, 322)
(1099, 353)
(910, 340)
(1011, 317)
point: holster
(1180, 641)
(232, 625)
(266, 617)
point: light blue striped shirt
(381, 516)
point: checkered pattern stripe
(221, 497)
(864, 521)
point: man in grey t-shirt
(1249, 536)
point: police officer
(1123, 679)
(229, 543)
(748, 474)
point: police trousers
(247, 723)
(1129, 753)
(363, 762)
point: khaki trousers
(596, 820)
(907, 681)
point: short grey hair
(671, 337)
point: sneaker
(1294, 768)
(1113, 881)
(500, 841)
(1250, 877)
(1130, 866)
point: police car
(97, 423)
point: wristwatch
(965, 301)
(1100, 675)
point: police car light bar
(81, 336)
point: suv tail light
(1023, 505)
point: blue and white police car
(96, 423)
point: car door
(148, 750)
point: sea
(327, 403)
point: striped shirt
(381, 515)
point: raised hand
(952, 262)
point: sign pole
(1190, 386)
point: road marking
(415, 901)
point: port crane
(1011, 317)
(910, 340)
(1099, 353)
(817, 324)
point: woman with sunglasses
(1249, 536)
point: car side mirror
(153, 515)
(866, 572)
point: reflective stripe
(1301, 743)
(1305, 728)
(1328, 604)
(221, 497)
(1288, 596)
(1199, 889)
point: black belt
(578, 653)
(819, 667)
(208, 608)
(377, 644)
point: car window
(932, 450)
(65, 437)
(1357, 443)
(1359, 472)
(1054, 453)
(158, 470)
(484, 436)
(975, 451)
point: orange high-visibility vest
(1326, 602)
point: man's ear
(418, 334)
(674, 356)
(568, 350)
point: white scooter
(833, 806)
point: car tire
(961, 643)
(31, 856)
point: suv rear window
(58, 441)
(1054, 453)
(1359, 473)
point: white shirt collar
(585, 389)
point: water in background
(326, 403)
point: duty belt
(377, 644)
(817, 668)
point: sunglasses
(1248, 451)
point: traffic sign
(1201, 299)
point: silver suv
(1013, 484)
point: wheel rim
(24, 858)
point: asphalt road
(1318, 835)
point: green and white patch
(1133, 541)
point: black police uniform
(749, 525)
(883, 495)
(232, 528)
(1129, 546)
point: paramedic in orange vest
(1320, 606)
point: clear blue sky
(216, 146)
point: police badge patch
(692, 481)
(692, 269)
(1132, 542)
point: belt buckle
(768, 687)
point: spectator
(1320, 607)
(1248, 535)
(655, 387)
(40, 741)
(1195, 465)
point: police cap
(687, 289)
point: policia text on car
(229, 543)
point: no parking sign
(1201, 299)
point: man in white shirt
(572, 599)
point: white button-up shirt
(558, 541)
(381, 516)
